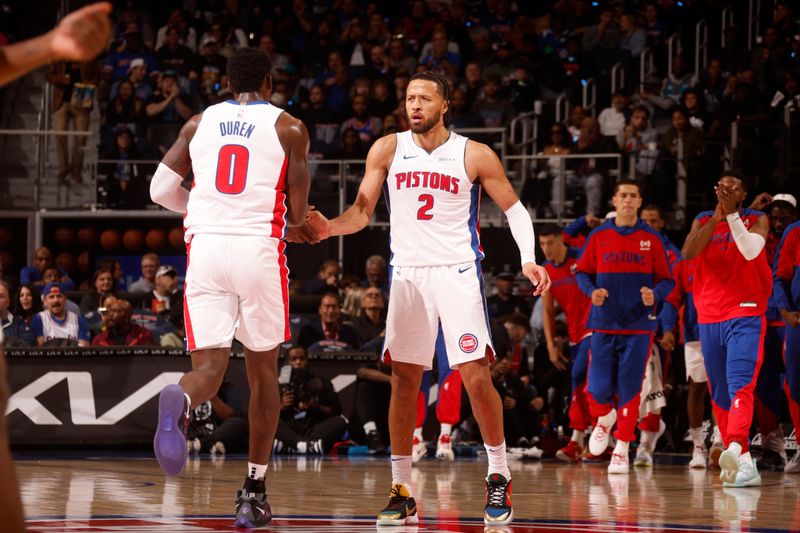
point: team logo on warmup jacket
(468, 343)
(644, 246)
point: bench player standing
(731, 286)
(249, 160)
(624, 270)
(786, 286)
(433, 191)
(562, 264)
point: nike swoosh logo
(409, 156)
(462, 270)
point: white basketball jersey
(239, 171)
(433, 206)
(54, 330)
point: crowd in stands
(342, 68)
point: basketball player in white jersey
(433, 180)
(249, 160)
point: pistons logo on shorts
(468, 343)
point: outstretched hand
(315, 228)
(537, 275)
(83, 34)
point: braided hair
(443, 85)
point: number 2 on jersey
(232, 168)
(427, 205)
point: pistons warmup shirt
(683, 274)
(787, 270)
(568, 295)
(239, 172)
(726, 285)
(622, 260)
(433, 206)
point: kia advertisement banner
(102, 396)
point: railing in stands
(617, 77)
(753, 22)
(589, 100)
(647, 67)
(727, 21)
(700, 47)
(563, 175)
(562, 107)
(674, 48)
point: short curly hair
(247, 70)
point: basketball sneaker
(771, 460)
(498, 511)
(598, 441)
(169, 443)
(402, 508)
(746, 476)
(699, 458)
(444, 448)
(375, 444)
(793, 465)
(643, 457)
(729, 465)
(619, 464)
(602, 458)
(571, 453)
(252, 508)
(419, 449)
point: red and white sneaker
(602, 458)
(419, 449)
(619, 464)
(571, 453)
(598, 441)
(444, 448)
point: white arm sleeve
(522, 230)
(750, 244)
(166, 190)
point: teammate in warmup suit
(732, 284)
(249, 160)
(624, 270)
(433, 180)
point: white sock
(302, 447)
(736, 448)
(606, 419)
(255, 471)
(497, 459)
(370, 426)
(621, 448)
(418, 433)
(697, 437)
(188, 404)
(401, 470)
(578, 436)
(445, 429)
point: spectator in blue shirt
(55, 322)
(42, 259)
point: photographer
(521, 404)
(218, 425)
(311, 419)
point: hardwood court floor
(331, 494)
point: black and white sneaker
(252, 508)
(375, 444)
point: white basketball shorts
(695, 365)
(236, 285)
(421, 296)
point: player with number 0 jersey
(249, 163)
